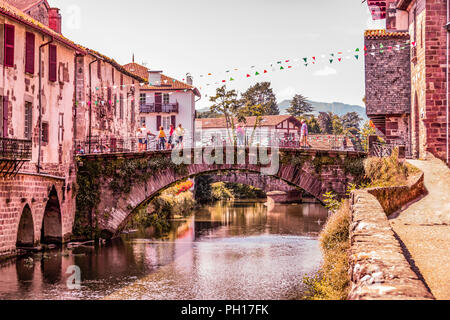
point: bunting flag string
(331, 58)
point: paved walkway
(424, 228)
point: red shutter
(173, 121)
(158, 122)
(9, 45)
(52, 63)
(5, 117)
(29, 53)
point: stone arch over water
(51, 231)
(25, 232)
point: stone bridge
(263, 182)
(125, 182)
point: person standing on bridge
(180, 136)
(161, 139)
(304, 135)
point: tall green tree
(260, 94)
(351, 122)
(299, 106)
(203, 190)
(326, 122)
(338, 127)
(366, 131)
(226, 103)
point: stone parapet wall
(393, 199)
(378, 267)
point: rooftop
(381, 33)
(267, 121)
(167, 83)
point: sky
(212, 36)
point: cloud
(327, 71)
(286, 94)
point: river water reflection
(231, 250)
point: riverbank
(424, 228)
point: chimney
(154, 77)
(54, 19)
(189, 80)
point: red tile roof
(167, 83)
(18, 15)
(25, 4)
(381, 33)
(267, 121)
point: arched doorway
(416, 127)
(25, 232)
(51, 232)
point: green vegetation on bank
(332, 281)
(157, 213)
(208, 192)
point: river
(229, 250)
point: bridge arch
(314, 171)
(51, 230)
(25, 231)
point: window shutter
(99, 69)
(158, 122)
(5, 117)
(29, 53)
(9, 45)
(52, 63)
(173, 120)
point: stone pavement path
(424, 228)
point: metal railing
(159, 108)
(15, 149)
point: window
(113, 74)
(142, 98)
(28, 120)
(52, 68)
(121, 79)
(142, 122)
(61, 128)
(166, 98)
(29, 53)
(166, 122)
(9, 45)
(44, 132)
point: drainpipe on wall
(448, 31)
(90, 100)
(40, 103)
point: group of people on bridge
(174, 139)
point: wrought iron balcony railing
(15, 149)
(159, 108)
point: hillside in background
(336, 107)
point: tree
(338, 127)
(326, 122)
(313, 124)
(203, 190)
(227, 103)
(299, 106)
(260, 94)
(365, 132)
(351, 122)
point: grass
(332, 282)
(388, 172)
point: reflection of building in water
(297, 219)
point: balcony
(13, 149)
(159, 108)
(13, 154)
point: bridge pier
(284, 197)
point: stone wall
(32, 191)
(378, 267)
(388, 86)
(393, 199)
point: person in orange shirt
(162, 138)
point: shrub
(332, 282)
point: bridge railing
(105, 145)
